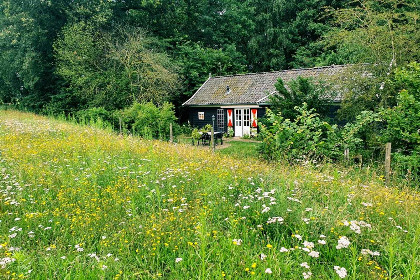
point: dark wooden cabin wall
(209, 112)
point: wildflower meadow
(77, 202)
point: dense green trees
(61, 55)
(317, 96)
(113, 69)
(27, 30)
(71, 55)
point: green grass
(83, 203)
(241, 149)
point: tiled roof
(254, 88)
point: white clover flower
(305, 265)
(322, 242)
(294, 199)
(341, 271)
(237, 241)
(268, 270)
(275, 219)
(246, 206)
(266, 209)
(369, 252)
(364, 224)
(298, 236)
(177, 260)
(322, 236)
(263, 256)
(63, 257)
(5, 261)
(282, 249)
(354, 227)
(367, 204)
(14, 249)
(365, 251)
(307, 275)
(314, 254)
(308, 244)
(343, 242)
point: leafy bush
(305, 139)
(363, 135)
(206, 128)
(185, 129)
(407, 166)
(230, 132)
(302, 90)
(150, 121)
(95, 116)
(402, 121)
(195, 134)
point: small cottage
(238, 101)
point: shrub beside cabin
(238, 101)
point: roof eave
(223, 104)
(185, 103)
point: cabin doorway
(242, 122)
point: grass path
(83, 203)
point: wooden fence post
(120, 121)
(171, 136)
(346, 154)
(387, 162)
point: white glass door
(242, 122)
(238, 122)
(246, 122)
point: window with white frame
(220, 120)
(201, 115)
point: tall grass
(83, 203)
